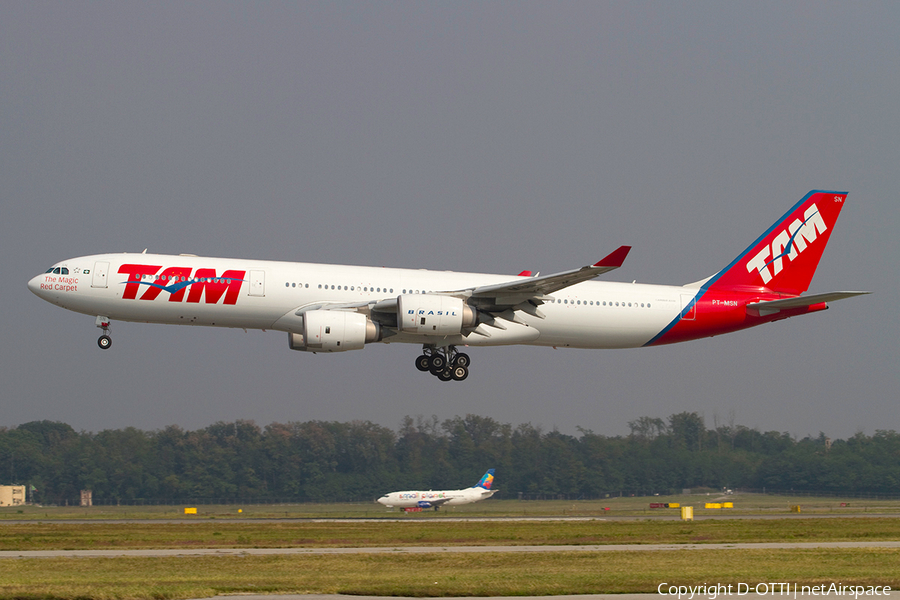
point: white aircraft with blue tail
(418, 500)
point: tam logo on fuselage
(178, 280)
(788, 244)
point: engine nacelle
(431, 314)
(334, 331)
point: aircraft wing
(517, 291)
(501, 299)
(513, 291)
(801, 301)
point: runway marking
(7, 554)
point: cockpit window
(58, 270)
(64, 271)
(50, 270)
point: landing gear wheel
(436, 363)
(423, 363)
(445, 362)
(104, 342)
(461, 360)
(459, 372)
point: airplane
(335, 308)
(436, 499)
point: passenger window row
(604, 303)
(352, 288)
(384, 290)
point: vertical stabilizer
(487, 480)
(785, 257)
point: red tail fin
(784, 258)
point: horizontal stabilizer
(802, 301)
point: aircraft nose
(35, 284)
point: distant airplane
(332, 308)
(436, 499)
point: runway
(419, 519)
(109, 553)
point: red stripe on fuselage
(723, 312)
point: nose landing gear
(444, 363)
(105, 341)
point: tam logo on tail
(785, 257)
(788, 244)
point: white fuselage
(439, 497)
(255, 294)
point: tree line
(327, 461)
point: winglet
(525, 274)
(615, 258)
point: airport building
(12, 495)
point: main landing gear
(444, 363)
(105, 341)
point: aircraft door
(688, 301)
(101, 271)
(257, 283)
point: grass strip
(744, 504)
(275, 534)
(490, 574)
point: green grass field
(445, 574)
(489, 574)
(292, 534)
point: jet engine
(334, 331)
(432, 314)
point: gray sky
(470, 136)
